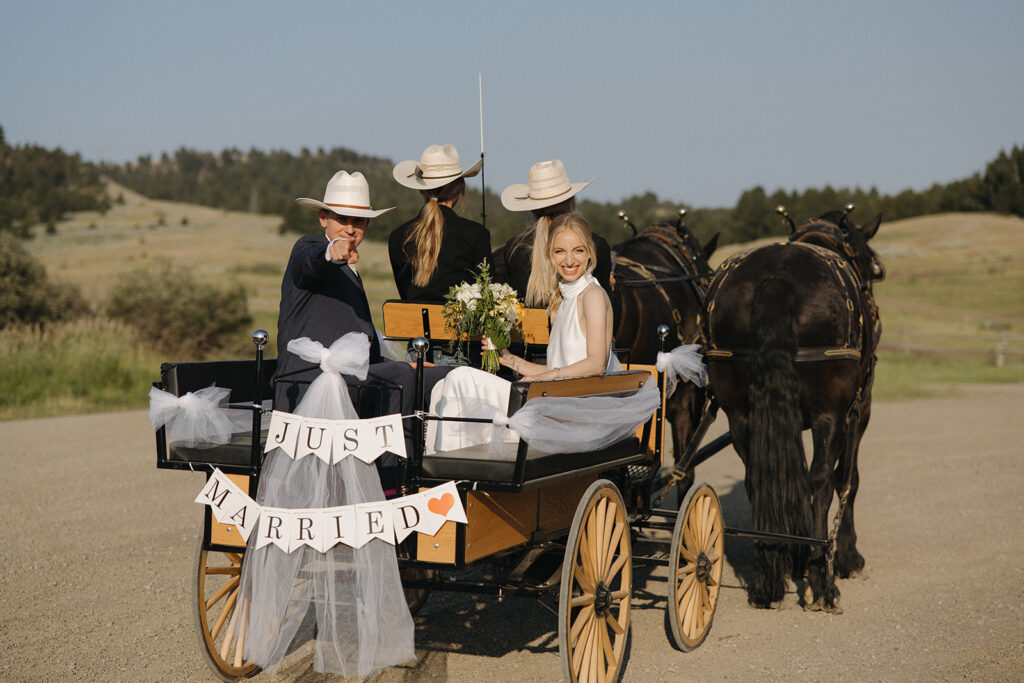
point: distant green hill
(38, 185)
(268, 182)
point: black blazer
(320, 300)
(464, 244)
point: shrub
(26, 296)
(175, 313)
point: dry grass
(955, 282)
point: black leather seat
(479, 464)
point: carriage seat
(240, 377)
(518, 466)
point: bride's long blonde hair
(426, 233)
(542, 272)
(577, 224)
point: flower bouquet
(483, 308)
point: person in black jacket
(548, 195)
(322, 298)
(438, 248)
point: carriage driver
(322, 297)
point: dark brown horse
(790, 335)
(661, 277)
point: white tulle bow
(683, 362)
(193, 419)
(348, 355)
(327, 397)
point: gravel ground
(96, 547)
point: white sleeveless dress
(468, 392)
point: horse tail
(777, 480)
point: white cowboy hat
(548, 185)
(346, 194)
(437, 166)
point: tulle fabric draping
(193, 420)
(349, 600)
(570, 424)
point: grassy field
(954, 292)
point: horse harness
(858, 300)
(656, 276)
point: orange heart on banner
(441, 505)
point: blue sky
(694, 101)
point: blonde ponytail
(542, 275)
(428, 229)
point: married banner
(323, 528)
(334, 440)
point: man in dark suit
(322, 298)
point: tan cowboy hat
(548, 185)
(439, 165)
(346, 194)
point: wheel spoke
(225, 647)
(588, 648)
(619, 594)
(613, 571)
(595, 653)
(688, 569)
(224, 590)
(699, 608)
(579, 651)
(687, 583)
(614, 624)
(705, 598)
(215, 631)
(583, 579)
(582, 600)
(240, 646)
(688, 538)
(716, 533)
(687, 554)
(705, 507)
(234, 570)
(609, 653)
(609, 529)
(585, 616)
(598, 539)
(610, 553)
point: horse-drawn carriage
(571, 524)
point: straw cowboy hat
(548, 185)
(346, 194)
(437, 166)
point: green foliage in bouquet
(486, 308)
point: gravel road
(96, 547)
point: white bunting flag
(222, 495)
(271, 528)
(440, 504)
(315, 438)
(373, 520)
(305, 527)
(406, 514)
(283, 432)
(339, 526)
(347, 438)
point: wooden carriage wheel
(695, 567)
(216, 612)
(596, 589)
